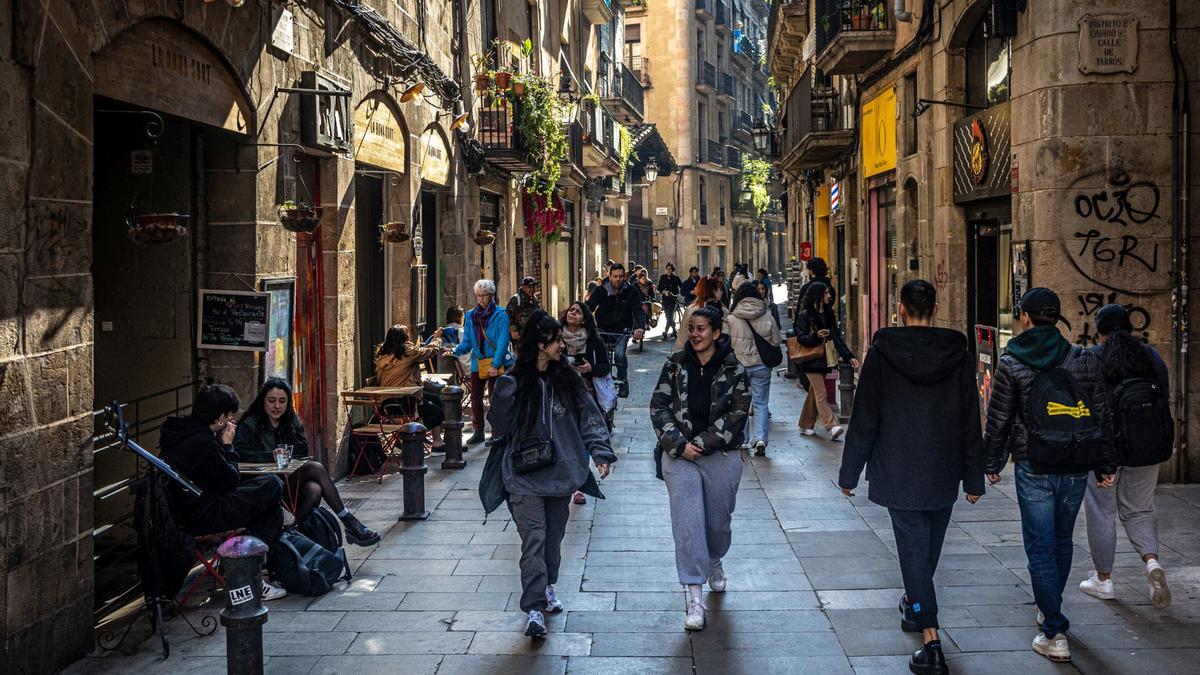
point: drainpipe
(900, 13)
(1179, 235)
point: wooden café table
(383, 428)
(271, 468)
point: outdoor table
(271, 468)
(384, 427)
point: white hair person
(485, 286)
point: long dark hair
(814, 297)
(748, 289)
(1122, 355)
(258, 409)
(589, 319)
(394, 343)
(564, 382)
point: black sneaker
(929, 660)
(476, 438)
(357, 533)
(623, 390)
(908, 623)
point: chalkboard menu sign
(234, 320)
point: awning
(648, 143)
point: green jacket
(255, 439)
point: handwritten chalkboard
(234, 320)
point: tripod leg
(162, 629)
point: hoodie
(1040, 347)
(915, 424)
(192, 449)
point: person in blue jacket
(485, 337)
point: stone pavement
(813, 582)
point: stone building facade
(989, 146)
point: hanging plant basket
(503, 80)
(481, 81)
(485, 237)
(518, 88)
(394, 233)
(299, 218)
(157, 228)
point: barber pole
(835, 196)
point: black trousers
(253, 504)
(541, 522)
(919, 537)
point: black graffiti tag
(1105, 249)
(1130, 201)
(1090, 303)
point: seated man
(199, 446)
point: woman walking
(708, 293)
(699, 410)
(816, 326)
(485, 338)
(1134, 372)
(749, 320)
(548, 426)
(588, 355)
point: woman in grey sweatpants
(699, 410)
(1126, 359)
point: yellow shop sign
(879, 133)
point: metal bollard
(452, 426)
(412, 438)
(244, 614)
(846, 389)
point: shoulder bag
(769, 353)
(532, 453)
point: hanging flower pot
(157, 228)
(485, 237)
(298, 217)
(503, 80)
(394, 233)
(518, 88)
(481, 82)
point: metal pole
(846, 389)
(452, 426)
(244, 614)
(413, 469)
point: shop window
(988, 68)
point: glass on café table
(283, 455)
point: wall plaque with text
(1108, 43)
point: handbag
(769, 353)
(533, 453)
(799, 353)
(831, 355)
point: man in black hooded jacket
(916, 429)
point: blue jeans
(622, 361)
(759, 378)
(1049, 504)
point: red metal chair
(206, 555)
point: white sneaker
(836, 432)
(695, 616)
(1041, 619)
(1160, 595)
(808, 432)
(1055, 650)
(272, 592)
(535, 625)
(1096, 588)
(716, 578)
(553, 604)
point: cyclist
(617, 305)
(669, 285)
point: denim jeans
(1049, 504)
(622, 361)
(760, 393)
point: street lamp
(762, 137)
(651, 170)
(568, 109)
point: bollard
(412, 438)
(846, 388)
(244, 614)
(452, 426)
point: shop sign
(835, 196)
(283, 37)
(435, 157)
(822, 206)
(986, 355)
(379, 138)
(660, 210)
(806, 251)
(236, 320)
(1108, 43)
(141, 162)
(879, 133)
(703, 240)
(324, 119)
(982, 155)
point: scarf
(576, 342)
(480, 319)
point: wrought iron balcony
(640, 65)
(706, 77)
(715, 153)
(704, 8)
(727, 85)
(733, 157)
(600, 148)
(722, 15)
(852, 35)
(814, 135)
(500, 136)
(623, 94)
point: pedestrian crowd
(1082, 428)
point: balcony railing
(727, 84)
(500, 136)
(706, 76)
(631, 89)
(814, 133)
(640, 65)
(733, 157)
(722, 14)
(868, 30)
(715, 153)
(704, 7)
(745, 122)
(575, 139)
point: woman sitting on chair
(269, 422)
(398, 364)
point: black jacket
(1006, 432)
(193, 450)
(806, 326)
(596, 353)
(916, 421)
(669, 283)
(617, 312)
(520, 307)
(687, 291)
(804, 289)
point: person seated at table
(269, 422)
(398, 364)
(199, 446)
(448, 337)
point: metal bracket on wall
(298, 153)
(393, 176)
(923, 104)
(154, 128)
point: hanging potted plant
(393, 233)
(860, 19)
(299, 217)
(526, 54)
(482, 63)
(485, 237)
(156, 228)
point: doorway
(989, 261)
(369, 270)
(426, 311)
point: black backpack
(1065, 435)
(165, 551)
(771, 355)
(309, 558)
(1142, 419)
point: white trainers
(1054, 649)
(553, 604)
(272, 592)
(808, 432)
(535, 625)
(695, 616)
(836, 432)
(1096, 588)
(1041, 619)
(1160, 594)
(716, 578)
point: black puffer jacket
(1033, 351)
(806, 327)
(617, 311)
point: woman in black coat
(817, 326)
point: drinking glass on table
(283, 455)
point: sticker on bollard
(242, 559)
(239, 595)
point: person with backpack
(1049, 409)
(816, 327)
(755, 339)
(521, 306)
(486, 339)
(917, 373)
(547, 426)
(699, 410)
(1137, 379)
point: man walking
(1049, 407)
(916, 429)
(617, 305)
(669, 286)
(521, 306)
(687, 290)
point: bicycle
(610, 342)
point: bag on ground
(302, 563)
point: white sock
(343, 513)
(696, 591)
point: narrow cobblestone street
(813, 582)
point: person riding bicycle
(669, 286)
(618, 309)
